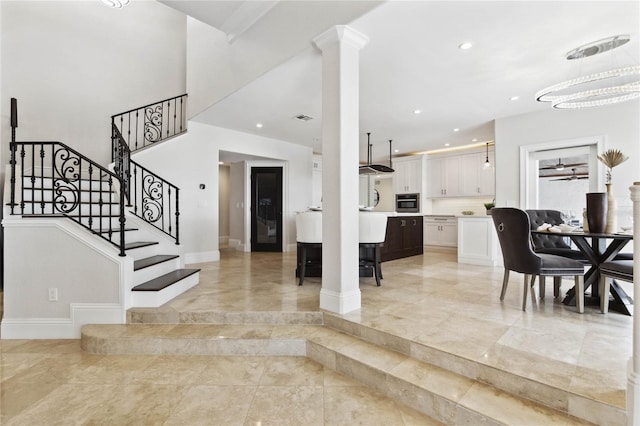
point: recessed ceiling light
(456, 130)
(221, 162)
(447, 144)
(259, 125)
(417, 111)
(514, 98)
(466, 45)
(474, 140)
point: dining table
(598, 248)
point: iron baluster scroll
(144, 126)
(54, 180)
(155, 200)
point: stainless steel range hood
(375, 169)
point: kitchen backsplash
(456, 206)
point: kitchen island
(403, 238)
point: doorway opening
(266, 209)
(574, 161)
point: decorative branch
(612, 158)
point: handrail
(56, 180)
(152, 123)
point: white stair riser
(153, 299)
(143, 252)
(146, 274)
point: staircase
(130, 207)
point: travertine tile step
(444, 395)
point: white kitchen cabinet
(461, 176)
(316, 181)
(478, 241)
(440, 231)
(408, 175)
(475, 179)
(444, 177)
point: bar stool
(308, 235)
(372, 231)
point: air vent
(303, 117)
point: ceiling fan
(561, 166)
(574, 176)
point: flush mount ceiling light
(602, 88)
(466, 45)
(116, 4)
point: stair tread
(165, 280)
(153, 260)
(139, 244)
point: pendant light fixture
(116, 4)
(374, 169)
(487, 164)
(597, 89)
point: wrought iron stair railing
(152, 198)
(147, 125)
(52, 179)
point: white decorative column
(633, 377)
(340, 46)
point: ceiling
(413, 62)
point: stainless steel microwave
(408, 203)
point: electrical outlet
(53, 295)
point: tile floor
(430, 299)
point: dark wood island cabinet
(403, 237)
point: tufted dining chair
(618, 269)
(514, 234)
(308, 235)
(372, 232)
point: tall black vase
(597, 212)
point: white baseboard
(62, 328)
(292, 247)
(223, 240)
(202, 257)
(340, 302)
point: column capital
(341, 34)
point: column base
(633, 395)
(340, 303)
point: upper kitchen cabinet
(461, 176)
(475, 179)
(408, 175)
(443, 177)
(316, 181)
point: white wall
(88, 290)
(191, 159)
(73, 64)
(619, 124)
